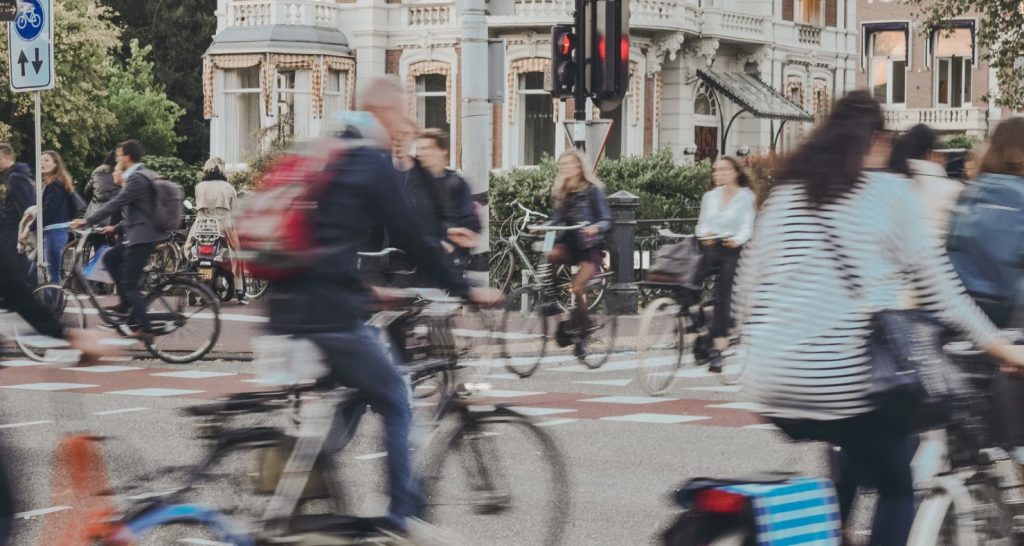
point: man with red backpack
(325, 300)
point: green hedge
(176, 170)
(666, 189)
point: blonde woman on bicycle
(579, 198)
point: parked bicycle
(184, 315)
(533, 319)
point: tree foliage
(1000, 37)
(97, 101)
(179, 32)
(141, 107)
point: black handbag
(78, 204)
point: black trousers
(126, 264)
(724, 260)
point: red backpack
(276, 223)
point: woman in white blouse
(725, 225)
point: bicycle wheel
(497, 478)
(185, 319)
(501, 266)
(567, 300)
(65, 307)
(523, 332)
(600, 340)
(662, 344)
(936, 522)
(255, 288)
(185, 524)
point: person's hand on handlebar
(591, 231)
(464, 237)
(730, 243)
(78, 223)
(1011, 356)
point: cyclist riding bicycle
(326, 303)
(579, 199)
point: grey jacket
(136, 201)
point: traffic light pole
(579, 135)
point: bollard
(621, 296)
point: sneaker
(715, 366)
(420, 533)
(243, 299)
(582, 349)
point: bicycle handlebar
(530, 212)
(543, 227)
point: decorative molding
(669, 45)
(515, 68)
(424, 68)
(762, 57)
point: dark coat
(20, 196)
(363, 196)
(136, 201)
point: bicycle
(510, 250)
(669, 325)
(466, 473)
(525, 327)
(176, 305)
(973, 494)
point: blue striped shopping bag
(800, 511)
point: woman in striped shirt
(837, 240)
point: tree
(141, 107)
(1000, 38)
(74, 114)
(179, 31)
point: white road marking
(627, 400)
(41, 512)
(103, 369)
(154, 392)
(497, 393)
(203, 542)
(371, 456)
(556, 422)
(749, 406)
(607, 382)
(49, 386)
(763, 426)
(724, 388)
(117, 411)
(659, 418)
(25, 424)
(151, 494)
(20, 363)
(540, 411)
(193, 374)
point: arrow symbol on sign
(22, 59)
(37, 64)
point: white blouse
(732, 220)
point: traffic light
(561, 77)
(608, 69)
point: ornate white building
(707, 76)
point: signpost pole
(579, 134)
(40, 250)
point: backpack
(275, 225)
(986, 243)
(167, 201)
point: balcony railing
(428, 15)
(251, 13)
(809, 35)
(940, 119)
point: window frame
(798, 9)
(966, 75)
(523, 91)
(420, 113)
(233, 145)
(340, 96)
(890, 66)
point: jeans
(872, 455)
(725, 260)
(359, 360)
(126, 265)
(54, 241)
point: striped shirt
(805, 325)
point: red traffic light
(602, 52)
(623, 49)
(566, 44)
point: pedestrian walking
(725, 224)
(59, 207)
(838, 240)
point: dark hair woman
(914, 156)
(725, 225)
(838, 240)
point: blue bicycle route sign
(31, 46)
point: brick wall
(648, 115)
(497, 123)
(787, 10)
(392, 59)
(831, 7)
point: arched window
(705, 103)
(821, 98)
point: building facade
(706, 76)
(925, 75)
